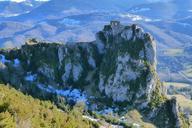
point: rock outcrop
(120, 65)
(126, 72)
(123, 56)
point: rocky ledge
(119, 66)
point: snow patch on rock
(31, 77)
(3, 59)
(70, 94)
(16, 62)
(90, 118)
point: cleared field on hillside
(174, 52)
(177, 85)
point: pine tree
(7, 120)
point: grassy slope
(19, 110)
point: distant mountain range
(79, 20)
(16, 8)
(50, 20)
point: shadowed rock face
(120, 64)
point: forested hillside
(21, 111)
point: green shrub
(36, 113)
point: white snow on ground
(106, 111)
(132, 17)
(71, 94)
(43, 87)
(9, 15)
(16, 62)
(90, 118)
(136, 125)
(31, 77)
(6, 15)
(138, 18)
(3, 59)
(104, 125)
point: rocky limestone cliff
(124, 58)
(126, 72)
(120, 65)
